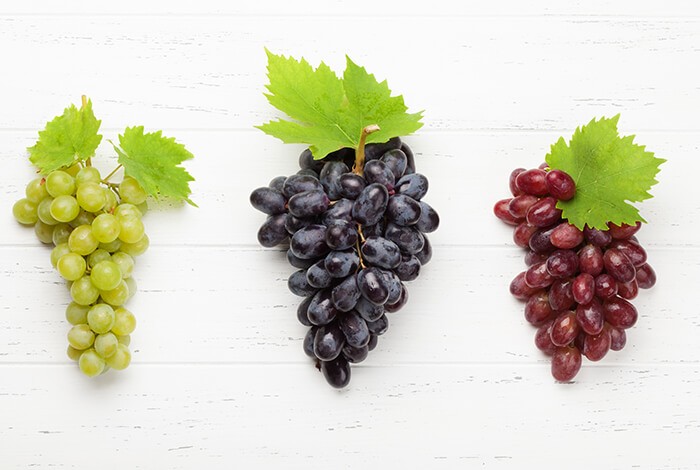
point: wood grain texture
(219, 379)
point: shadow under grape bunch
(355, 230)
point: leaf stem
(359, 166)
(84, 101)
(106, 178)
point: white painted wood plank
(222, 305)
(222, 417)
(467, 73)
(468, 173)
(360, 8)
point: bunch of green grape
(97, 231)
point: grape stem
(358, 167)
(106, 178)
(359, 251)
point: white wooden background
(218, 378)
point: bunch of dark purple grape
(355, 235)
(579, 283)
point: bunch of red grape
(355, 238)
(578, 283)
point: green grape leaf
(610, 172)
(154, 161)
(67, 139)
(329, 113)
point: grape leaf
(68, 138)
(609, 171)
(154, 161)
(328, 112)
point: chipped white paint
(219, 379)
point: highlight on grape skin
(579, 282)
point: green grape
(60, 183)
(106, 275)
(43, 232)
(97, 256)
(91, 364)
(76, 314)
(73, 354)
(84, 218)
(127, 210)
(131, 191)
(105, 228)
(121, 359)
(116, 297)
(61, 232)
(43, 210)
(36, 190)
(83, 292)
(89, 174)
(58, 251)
(73, 170)
(138, 248)
(124, 323)
(25, 212)
(131, 284)
(143, 208)
(71, 266)
(130, 229)
(125, 340)
(64, 208)
(111, 246)
(82, 241)
(110, 200)
(106, 344)
(91, 197)
(81, 337)
(101, 318)
(125, 263)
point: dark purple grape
(317, 276)
(410, 159)
(300, 183)
(309, 342)
(540, 241)
(307, 172)
(395, 287)
(345, 155)
(396, 306)
(376, 171)
(605, 286)
(302, 310)
(560, 295)
(355, 355)
(601, 238)
(351, 185)
(336, 372)
(620, 313)
(340, 264)
(562, 263)
(371, 204)
(330, 178)
(426, 253)
(375, 151)
(294, 224)
(537, 308)
(595, 347)
(646, 277)
(329, 342)
(321, 310)
(272, 232)
(268, 200)
(618, 265)
(277, 183)
(341, 235)
(583, 288)
(396, 160)
(381, 252)
(373, 285)
(538, 277)
(373, 340)
(532, 182)
(298, 285)
(307, 161)
(355, 329)
(340, 210)
(298, 262)
(408, 239)
(590, 259)
(429, 219)
(564, 329)
(378, 327)
(368, 310)
(409, 268)
(309, 242)
(403, 210)
(543, 213)
(566, 362)
(308, 203)
(376, 230)
(560, 185)
(591, 317)
(346, 294)
(414, 186)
